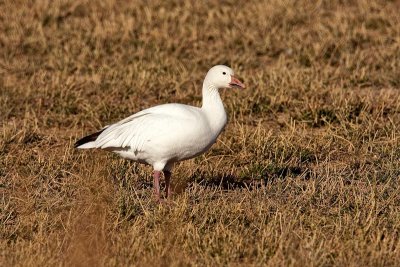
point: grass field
(305, 174)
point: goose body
(168, 133)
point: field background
(305, 174)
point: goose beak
(236, 83)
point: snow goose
(163, 135)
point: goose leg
(156, 184)
(168, 191)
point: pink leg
(168, 191)
(156, 184)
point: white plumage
(165, 134)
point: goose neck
(213, 107)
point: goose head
(221, 76)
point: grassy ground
(305, 174)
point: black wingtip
(87, 139)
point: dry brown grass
(305, 174)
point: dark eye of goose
(224, 73)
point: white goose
(165, 134)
